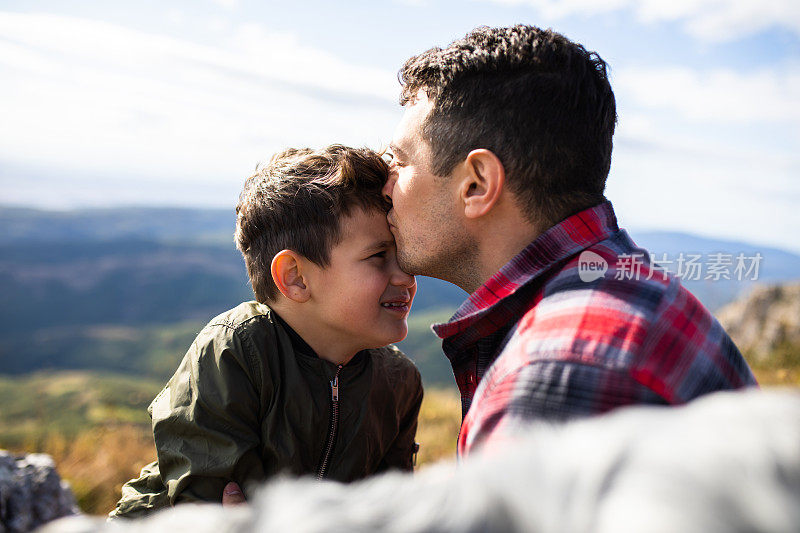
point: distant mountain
(22, 225)
(115, 305)
(126, 289)
(776, 266)
(116, 282)
(215, 226)
(132, 265)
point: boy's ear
(287, 273)
(483, 182)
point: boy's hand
(232, 495)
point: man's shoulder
(599, 309)
(613, 273)
(643, 322)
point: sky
(173, 103)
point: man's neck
(498, 243)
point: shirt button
(470, 379)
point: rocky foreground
(727, 462)
(31, 492)
(766, 319)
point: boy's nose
(388, 187)
(401, 279)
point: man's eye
(392, 159)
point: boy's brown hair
(297, 201)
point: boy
(299, 381)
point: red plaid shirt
(544, 338)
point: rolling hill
(126, 289)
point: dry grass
(98, 461)
(439, 422)
(777, 377)
(781, 368)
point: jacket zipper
(334, 425)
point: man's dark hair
(540, 102)
(296, 202)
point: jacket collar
(298, 343)
(303, 349)
(560, 242)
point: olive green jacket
(244, 405)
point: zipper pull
(335, 385)
(335, 389)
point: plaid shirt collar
(492, 309)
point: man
(499, 168)
(498, 174)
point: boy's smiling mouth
(399, 305)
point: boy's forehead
(366, 227)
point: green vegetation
(134, 306)
(95, 426)
(147, 351)
(425, 348)
(69, 403)
(155, 351)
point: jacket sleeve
(401, 454)
(206, 421)
(141, 496)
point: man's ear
(287, 273)
(483, 184)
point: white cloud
(95, 113)
(714, 152)
(710, 20)
(767, 95)
(746, 198)
(748, 120)
(100, 97)
(227, 4)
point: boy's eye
(379, 254)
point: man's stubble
(445, 251)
